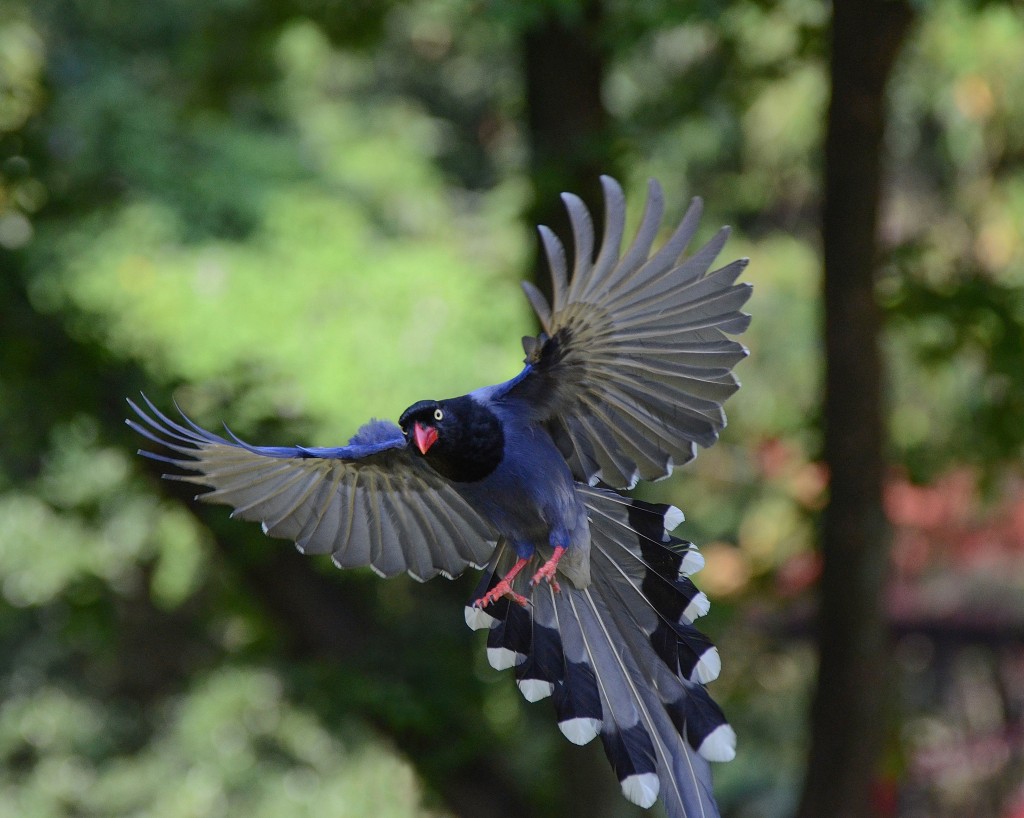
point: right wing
(634, 362)
(368, 503)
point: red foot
(504, 588)
(547, 571)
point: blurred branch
(848, 714)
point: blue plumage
(530, 497)
(585, 593)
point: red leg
(504, 588)
(547, 570)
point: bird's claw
(503, 588)
(546, 573)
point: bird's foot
(546, 573)
(504, 588)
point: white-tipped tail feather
(503, 658)
(580, 730)
(708, 666)
(641, 789)
(477, 619)
(720, 744)
(534, 690)
(620, 659)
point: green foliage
(336, 233)
(958, 263)
(232, 744)
(980, 325)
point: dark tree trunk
(570, 149)
(848, 714)
(566, 118)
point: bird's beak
(426, 436)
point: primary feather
(369, 503)
(626, 380)
(635, 363)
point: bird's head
(459, 438)
(424, 422)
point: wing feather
(367, 504)
(611, 243)
(658, 301)
(635, 361)
(320, 509)
(555, 251)
(351, 550)
(583, 240)
(640, 249)
(640, 274)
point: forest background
(295, 214)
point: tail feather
(671, 600)
(544, 669)
(627, 743)
(621, 658)
(509, 640)
(705, 725)
(683, 773)
(632, 756)
(579, 702)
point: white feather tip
(478, 619)
(534, 690)
(580, 730)
(692, 562)
(698, 607)
(708, 667)
(673, 517)
(641, 789)
(503, 658)
(719, 745)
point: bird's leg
(547, 570)
(504, 588)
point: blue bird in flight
(585, 594)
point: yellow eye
(438, 414)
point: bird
(585, 593)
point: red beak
(426, 436)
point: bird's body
(626, 380)
(528, 493)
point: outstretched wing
(634, 363)
(368, 503)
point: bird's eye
(438, 414)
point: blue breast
(532, 491)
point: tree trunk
(569, 150)
(848, 714)
(566, 117)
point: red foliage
(945, 525)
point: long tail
(621, 658)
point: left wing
(635, 361)
(368, 503)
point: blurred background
(293, 215)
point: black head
(459, 438)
